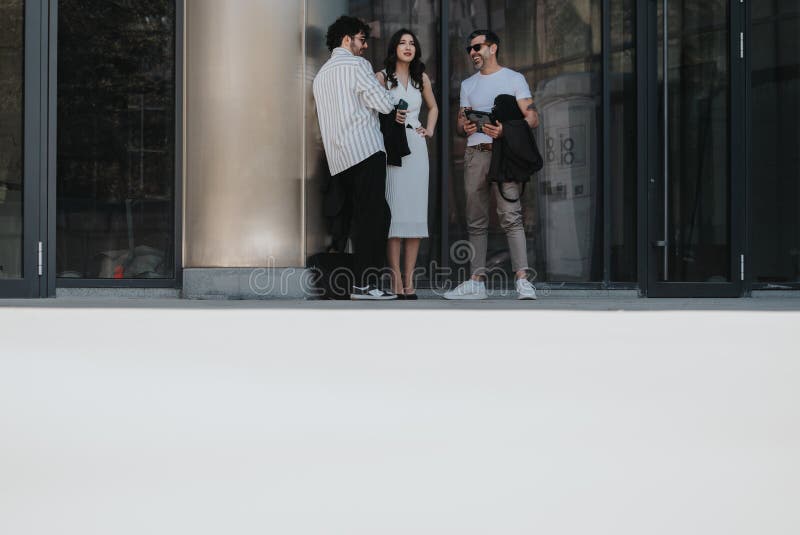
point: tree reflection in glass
(116, 141)
(11, 153)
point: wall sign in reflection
(566, 146)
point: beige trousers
(476, 186)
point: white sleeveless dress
(407, 185)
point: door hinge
(741, 266)
(741, 45)
(41, 264)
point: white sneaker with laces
(370, 293)
(525, 289)
(469, 289)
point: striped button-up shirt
(349, 99)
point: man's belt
(482, 147)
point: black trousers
(365, 185)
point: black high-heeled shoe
(410, 297)
(401, 295)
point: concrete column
(244, 123)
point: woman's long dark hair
(416, 68)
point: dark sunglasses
(477, 47)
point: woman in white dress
(407, 185)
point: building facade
(173, 144)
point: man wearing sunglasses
(478, 92)
(348, 99)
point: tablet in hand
(480, 118)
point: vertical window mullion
(606, 143)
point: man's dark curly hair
(343, 26)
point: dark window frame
(34, 42)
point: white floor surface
(240, 420)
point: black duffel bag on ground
(332, 275)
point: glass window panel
(776, 142)
(699, 172)
(623, 142)
(12, 36)
(787, 7)
(116, 141)
(556, 44)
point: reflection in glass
(556, 44)
(776, 141)
(11, 131)
(384, 17)
(698, 159)
(116, 142)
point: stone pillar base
(246, 283)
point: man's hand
(528, 109)
(470, 128)
(400, 117)
(465, 124)
(534, 122)
(494, 131)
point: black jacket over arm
(394, 138)
(515, 156)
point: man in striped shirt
(348, 99)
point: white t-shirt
(479, 91)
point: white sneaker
(525, 289)
(370, 293)
(469, 289)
